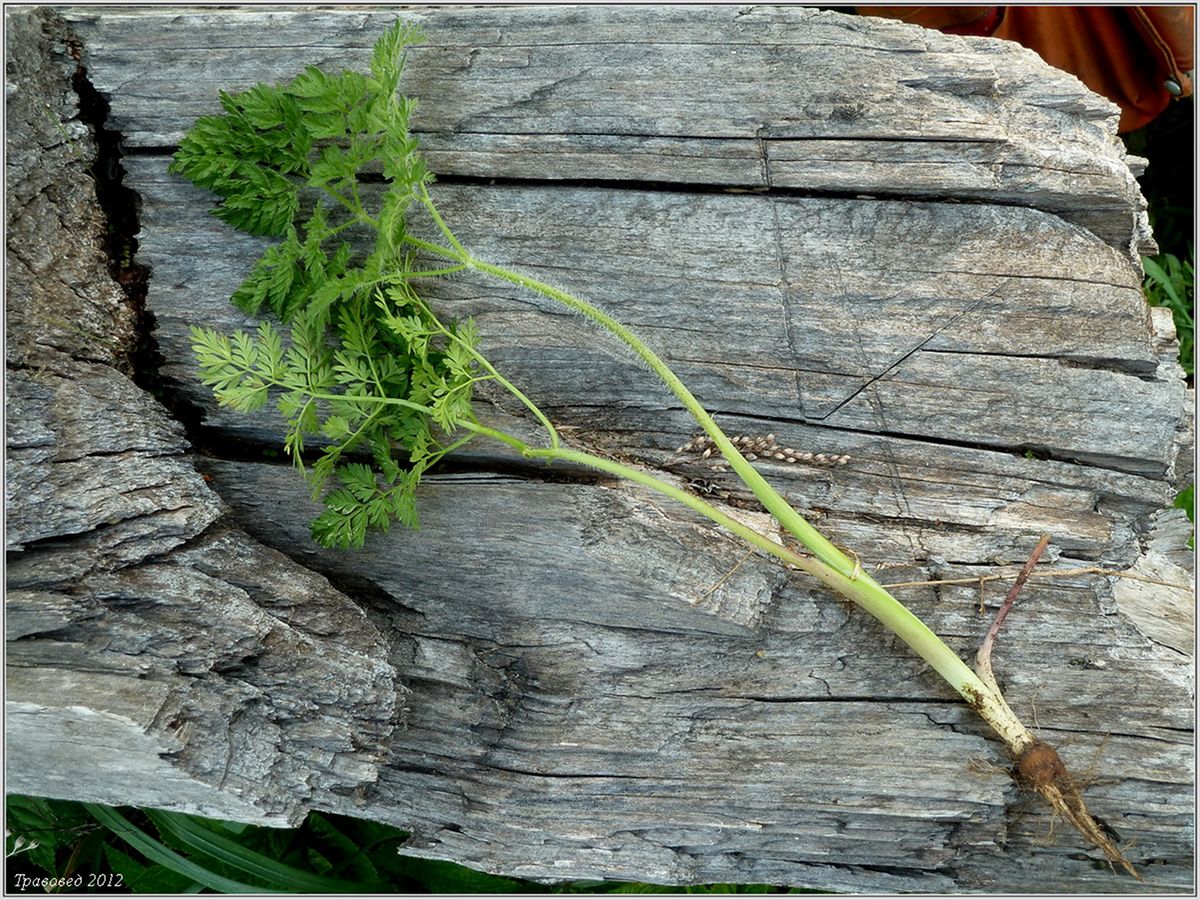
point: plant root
(1040, 769)
(983, 659)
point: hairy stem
(771, 500)
(894, 615)
(551, 431)
(831, 566)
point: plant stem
(436, 249)
(427, 201)
(831, 566)
(434, 273)
(551, 431)
(893, 614)
(767, 495)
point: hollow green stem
(767, 495)
(774, 503)
(891, 613)
(866, 593)
(830, 565)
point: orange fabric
(1170, 31)
(1126, 53)
(977, 20)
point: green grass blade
(139, 878)
(351, 857)
(1160, 277)
(157, 852)
(230, 853)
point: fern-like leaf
(369, 372)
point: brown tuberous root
(1039, 768)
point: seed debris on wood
(758, 447)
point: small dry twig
(1059, 573)
(720, 581)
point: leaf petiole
(437, 249)
(433, 273)
(428, 203)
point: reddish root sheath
(1039, 768)
(1040, 764)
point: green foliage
(1168, 143)
(154, 851)
(1171, 282)
(399, 377)
(278, 149)
(158, 853)
(44, 833)
(369, 370)
(142, 877)
(1186, 500)
(317, 131)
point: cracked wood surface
(837, 104)
(152, 647)
(602, 686)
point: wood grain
(561, 676)
(156, 654)
(791, 98)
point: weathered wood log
(601, 685)
(156, 654)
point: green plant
(50, 839)
(1168, 144)
(1186, 500)
(89, 847)
(1171, 282)
(371, 367)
